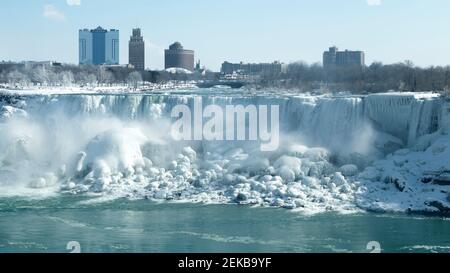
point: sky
(389, 31)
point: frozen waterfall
(119, 145)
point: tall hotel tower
(99, 46)
(136, 50)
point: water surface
(144, 226)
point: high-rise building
(99, 46)
(136, 50)
(178, 57)
(253, 69)
(112, 46)
(333, 58)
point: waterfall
(120, 145)
(324, 121)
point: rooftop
(176, 46)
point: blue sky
(234, 30)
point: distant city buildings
(99, 46)
(333, 58)
(178, 57)
(198, 66)
(136, 50)
(253, 69)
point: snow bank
(92, 90)
(177, 70)
(409, 180)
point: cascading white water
(403, 116)
(120, 145)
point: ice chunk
(115, 151)
(287, 174)
(370, 173)
(317, 154)
(349, 170)
(338, 179)
(190, 153)
(297, 150)
(293, 164)
(256, 165)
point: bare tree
(18, 78)
(104, 76)
(134, 79)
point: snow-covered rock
(113, 152)
(9, 112)
(349, 170)
(289, 163)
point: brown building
(136, 50)
(178, 57)
(333, 58)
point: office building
(333, 58)
(99, 46)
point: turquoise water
(144, 226)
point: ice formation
(384, 152)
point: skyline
(389, 31)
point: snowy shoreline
(383, 152)
(190, 86)
(114, 89)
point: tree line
(65, 75)
(20, 75)
(300, 76)
(377, 77)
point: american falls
(341, 152)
